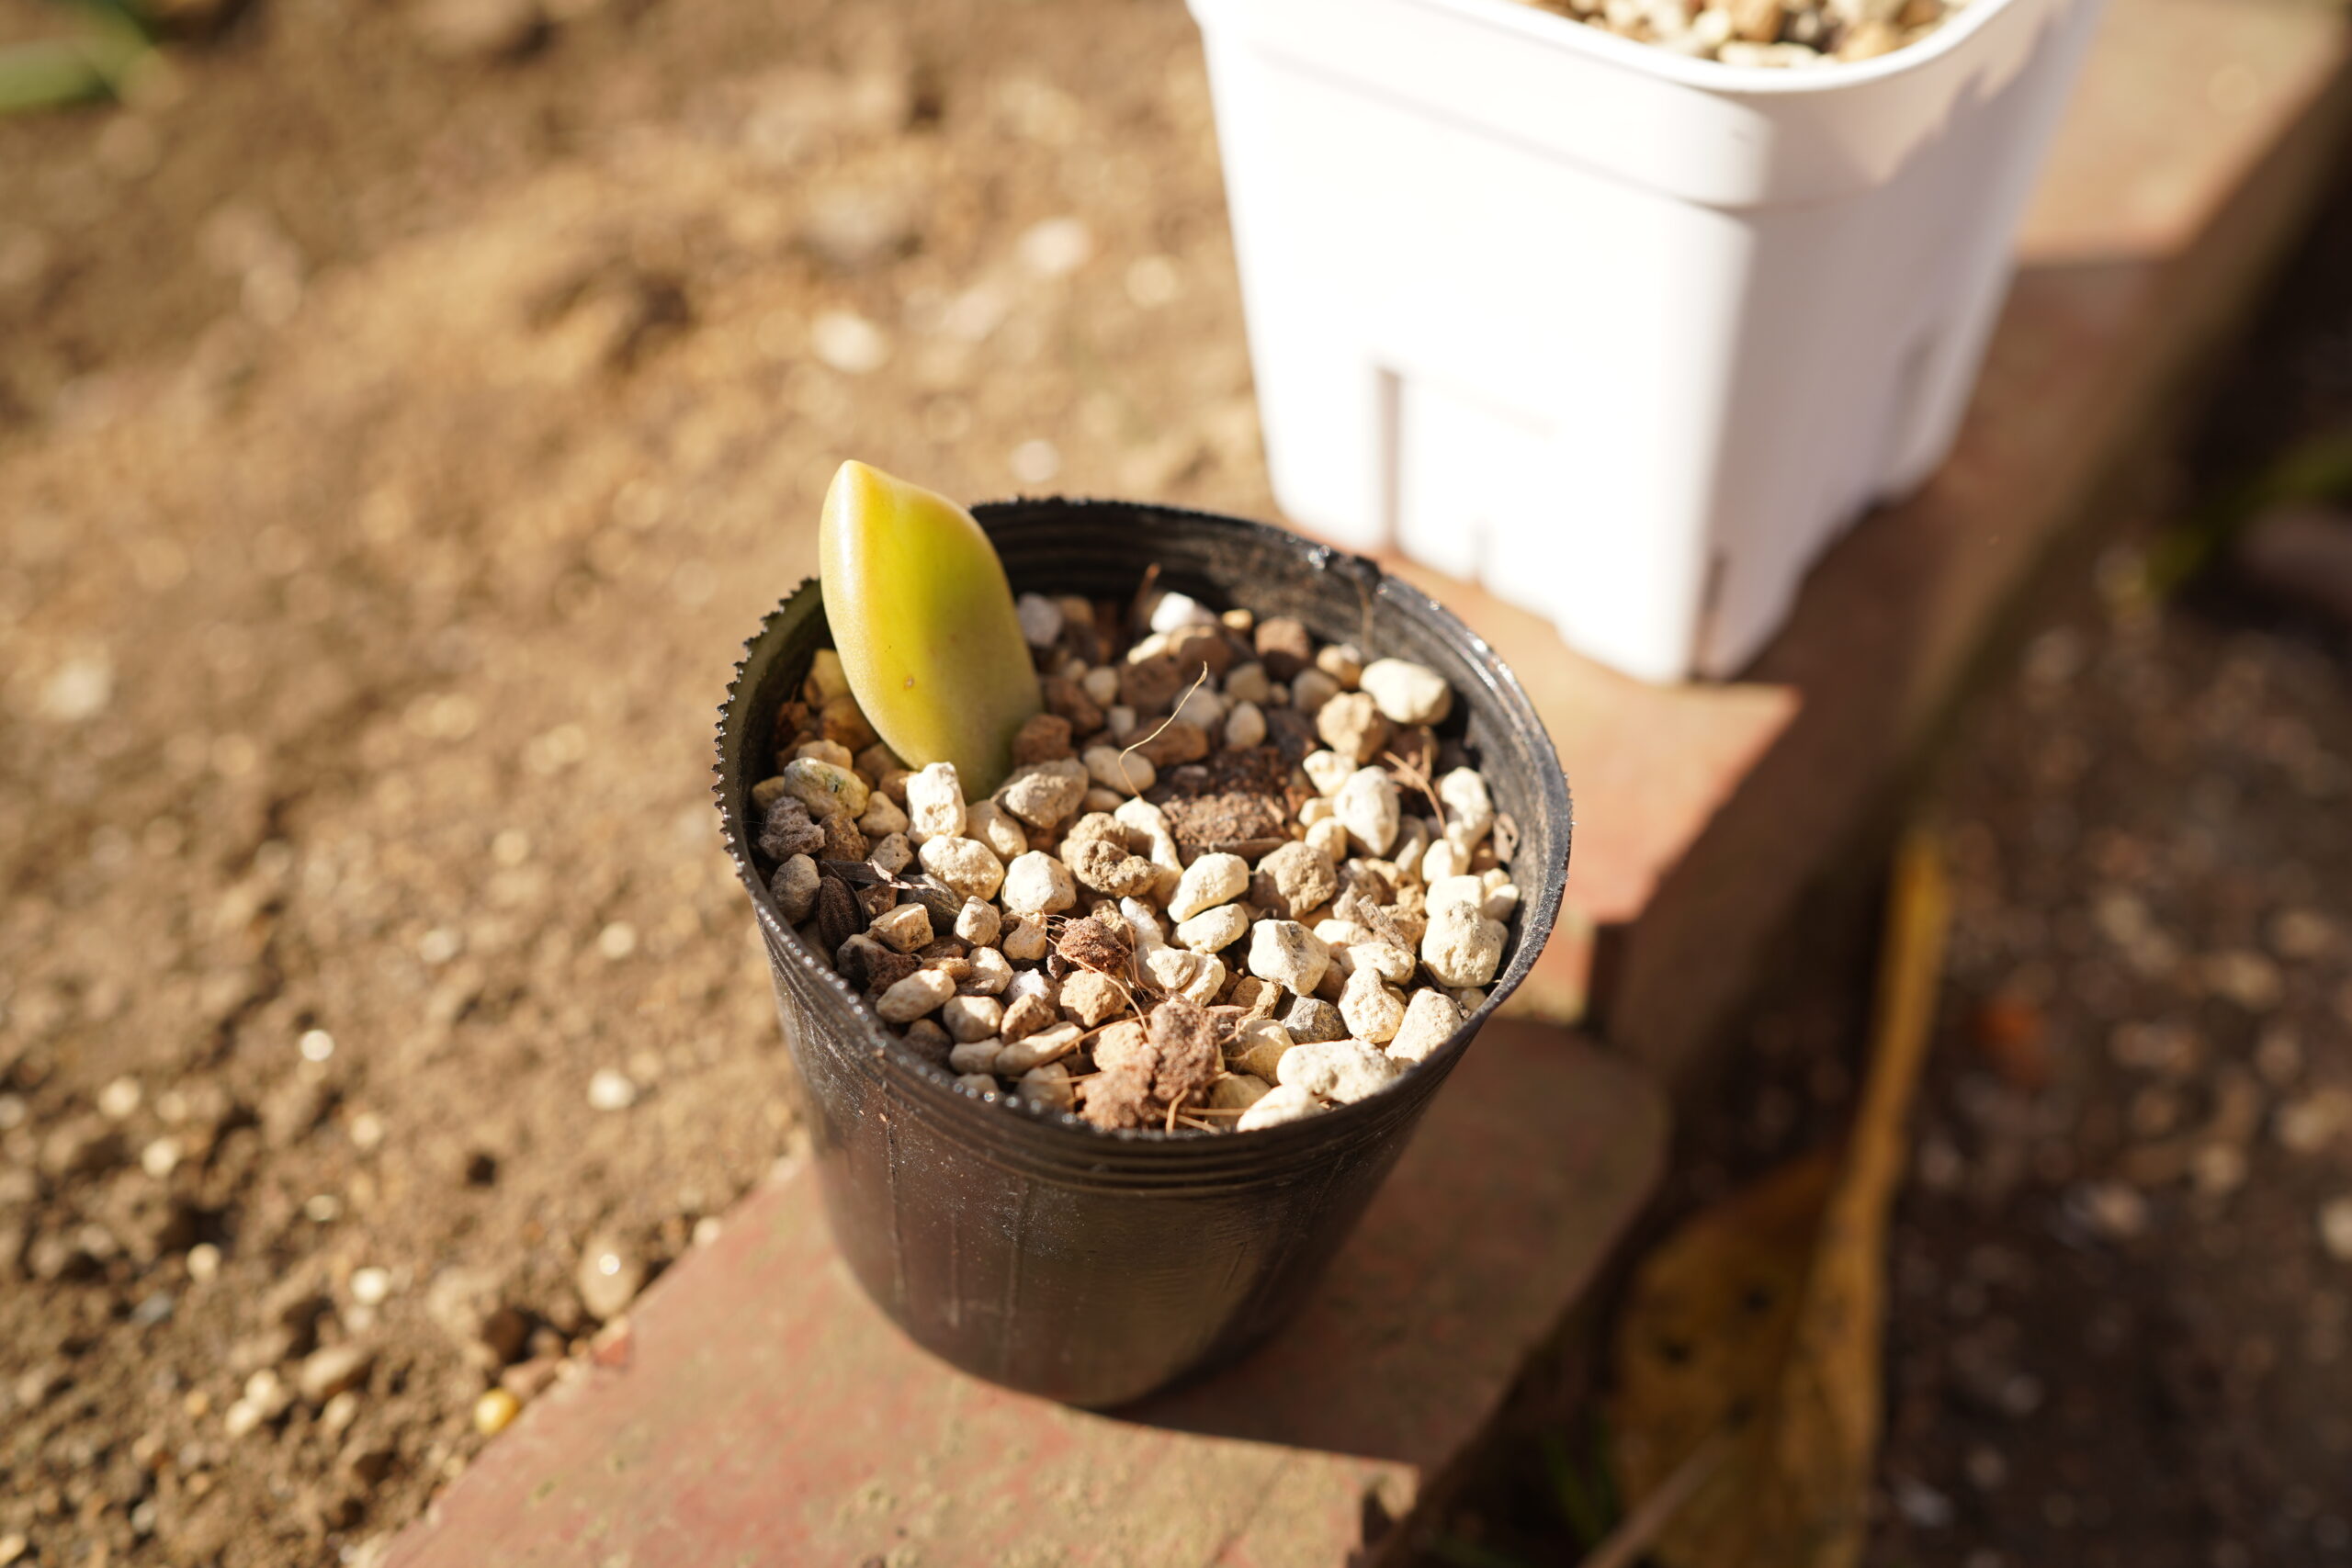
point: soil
(405, 412)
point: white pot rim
(1552, 30)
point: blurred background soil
(405, 412)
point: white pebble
(1048, 1086)
(1431, 1018)
(1328, 770)
(1037, 884)
(967, 1019)
(964, 865)
(1126, 773)
(1462, 947)
(1467, 805)
(1407, 693)
(119, 1097)
(1023, 942)
(1259, 1046)
(916, 995)
(1041, 619)
(1209, 881)
(889, 856)
(1500, 902)
(824, 788)
(370, 1286)
(1173, 968)
(1212, 929)
(1202, 708)
(610, 1089)
(977, 922)
(1366, 806)
(1344, 1070)
(1310, 689)
(1142, 819)
(991, 972)
(1247, 683)
(1442, 862)
(1179, 610)
(828, 677)
(935, 803)
(1237, 1091)
(1287, 953)
(974, 1055)
(1102, 686)
(1044, 793)
(1144, 922)
(987, 823)
(882, 816)
(1465, 890)
(1245, 726)
(1386, 959)
(903, 929)
(1035, 1049)
(2335, 1228)
(1412, 843)
(1373, 1010)
(1121, 720)
(1284, 1104)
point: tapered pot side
(1018, 1243)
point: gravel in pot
(1101, 1066)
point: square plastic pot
(1626, 336)
(1015, 1241)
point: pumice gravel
(1786, 34)
(1235, 877)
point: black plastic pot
(1020, 1244)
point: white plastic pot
(1626, 336)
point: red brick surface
(760, 1411)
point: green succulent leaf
(922, 618)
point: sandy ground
(398, 445)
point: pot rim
(1358, 1118)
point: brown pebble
(1758, 21)
(1096, 943)
(929, 1040)
(837, 915)
(1120, 1098)
(875, 900)
(1183, 1036)
(328, 1372)
(1293, 879)
(1109, 868)
(1177, 743)
(787, 829)
(528, 1380)
(885, 968)
(842, 840)
(1283, 646)
(1041, 739)
(1067, 700)
(1025, 1017)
